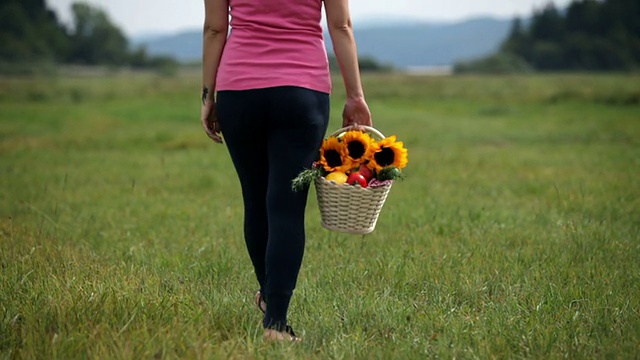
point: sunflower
(358, 145)
(333, 156)
(388, 152)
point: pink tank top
(274, 43)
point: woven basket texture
(349, 209)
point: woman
(266, 87)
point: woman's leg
(273, 134)
(243, 123)
(298, 120)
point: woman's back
(275, 43)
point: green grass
(516, 233)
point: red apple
(357, 178)
(366, 172)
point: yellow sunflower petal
(333, 156)
(358, 146)
(389, 152)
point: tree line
(588, 35)
(32, 34)
(592, 35)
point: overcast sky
(137, 17)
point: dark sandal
(260, 303)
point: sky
(139, 17)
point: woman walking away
(265, 88)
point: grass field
(516, 233)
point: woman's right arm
(356, 110)
(216, 25)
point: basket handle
(373, 131)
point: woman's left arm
(216, 27)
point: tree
(29, 32)
(590, 35)
(517, 40)
(547, 24)
(583, 17)
(95, 40)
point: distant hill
(400, 45)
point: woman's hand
(209, 119)
(356, 112)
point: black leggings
(272, 134)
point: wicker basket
(350, 209)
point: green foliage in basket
(306, 177)
(389, 173)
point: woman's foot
(260, 303)
(286, 335)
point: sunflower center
(333, 158)
(356, 149)
(385, 156)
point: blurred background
(409, 36)
(514, 234)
